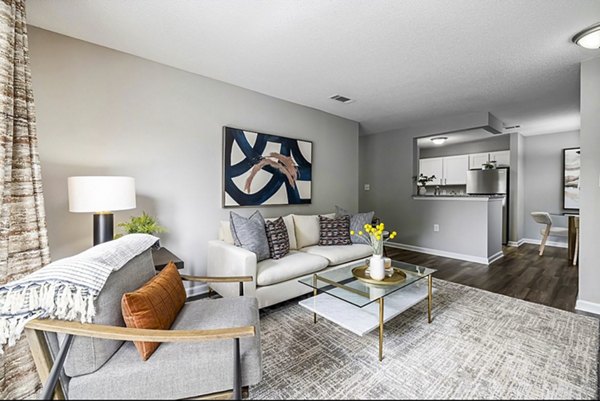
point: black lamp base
(103, 227)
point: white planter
(422, 190)
(377, 268)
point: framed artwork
(262, 169)
(571, 171)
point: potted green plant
(421, 181)
(144, 224)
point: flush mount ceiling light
(589, 38)
(439, 140)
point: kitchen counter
(463, 197)
(467, 227)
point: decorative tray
(397, 276)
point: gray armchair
(212, 349)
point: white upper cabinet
(433, 166)
(455, 170)
(452, 170)
(502, 158)
(477, 159)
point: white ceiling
(404, 62)
(455, 138)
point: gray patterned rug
(480, 345)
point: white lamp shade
(101, 194)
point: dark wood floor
(547, 280)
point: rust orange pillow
(155, 305)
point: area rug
(480, 345)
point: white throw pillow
(289, 224)
(225, 232)
(307, 230)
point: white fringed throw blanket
(65, 289)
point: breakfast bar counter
(467, 227)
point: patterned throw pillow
(335, 231)
(277, 236)
(357, 222)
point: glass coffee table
(358, 306)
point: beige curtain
(23, 236)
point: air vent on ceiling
(341, 98)
(513, 127)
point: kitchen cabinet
(433, 166)
(451, 170)
(502, 158)
(455, 170)
(477, 159)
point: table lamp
(101, 195)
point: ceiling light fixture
(589, 38)
(439, 140)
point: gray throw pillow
(249, 233)
(357, 223)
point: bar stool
(544, 218)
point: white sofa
(275, 281)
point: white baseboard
(495, 257)
(446, 254)
(516, 243)
(198, 289)
(555, 244)
(586, 306)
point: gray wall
(589, 271)
(103, 112)
(387, 165)
(493, 144)
(517, 188)
(543, 178)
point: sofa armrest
(229, 260)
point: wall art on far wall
(262, 169)
(571, 167)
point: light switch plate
(367, 187)
(436, 228)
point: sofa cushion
(249, 233)
(277, 236)
(87, 354)
(339, 254)
(307, 229)
(357, 222)
(181, 370)
(154, 306)
(335, 231)
(294, 264)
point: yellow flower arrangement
(373, 235)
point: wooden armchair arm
(131, 334)
(204, 279)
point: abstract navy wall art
(262, 169)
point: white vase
(377, 268)
(422, 190)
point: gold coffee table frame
(317, 278)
